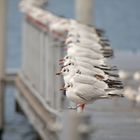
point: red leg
(81, 107)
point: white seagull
(83, 90)
(94, 47)
(86, 74)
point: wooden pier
(38, 87)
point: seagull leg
(80, 107)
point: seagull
(100, 69)
(86, 74)
(87, 69)
(85, 60)
(85, 79)
(67, 74)
(96, 47)
(77, 34)
(84, 90)
(75, 50)
(59, 27)
(70, 71)
(84, 36)
(100, 64)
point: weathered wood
(83, 10)
(9, 78)
(2, 60)
(78, 126)
(43, 121)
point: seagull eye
(67, 57)
(69, 63)
(64, 70)
(78, 71)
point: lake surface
(121, 20)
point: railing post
(2, 61)
(58, 79)
(83, 10)
(76, 126)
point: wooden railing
(41, 54)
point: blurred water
(120, 18)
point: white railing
(41, 54)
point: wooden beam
(10, 78)
(48, 119)
(83, 11)
(2, 59)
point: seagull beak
(62, 89)
(61, 62)
(58, 73)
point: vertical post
(58, 79)
(2, 61)
(76, 126)
(83, 9)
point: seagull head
(69, 62)
(71, 40)
(65, 71)
(68, 85)
(63, 60)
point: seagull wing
(84, 79)
(89, 93)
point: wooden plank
(9, 78)
(2, 59)
(35, 103)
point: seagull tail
(115, 95)
(112, 92)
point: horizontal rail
(47, 115)
(10, 78)
(36, 94)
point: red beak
(61, 62)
